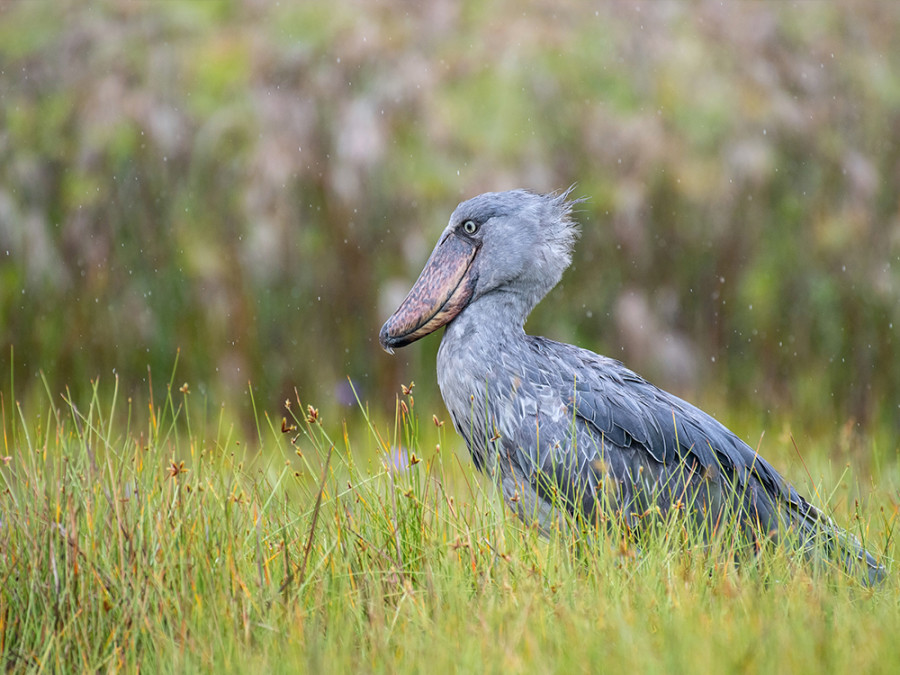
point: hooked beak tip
(385, 339)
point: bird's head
(515, 242)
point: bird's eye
(470, 227)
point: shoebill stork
(565, 429)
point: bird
(566, 432)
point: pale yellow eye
(470, 227)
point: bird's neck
(473, 361)
(495, 319)
(475, 344)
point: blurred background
(257, 184)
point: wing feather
(599, 418)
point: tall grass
(167, 539)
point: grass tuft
(163, 539)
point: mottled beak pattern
(441, 292)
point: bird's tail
(842, 548)
(855, 559)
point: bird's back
(582, 430)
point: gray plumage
(560, 425)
